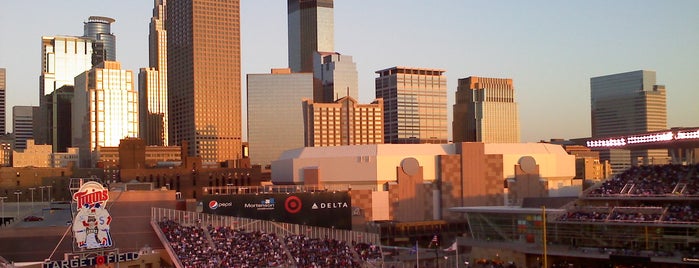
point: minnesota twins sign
(91, 223)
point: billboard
(91, 223)
(325, 209)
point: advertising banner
(325, 209)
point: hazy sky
(550, 48)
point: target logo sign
(293, 204)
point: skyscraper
(204, 83)
(3, 90)
(415, 104)
(335, 75)
(99, 29)
(152, 83)
(311, 28)
(485, 111)
(104, 109)
(22, 126)
(629, 103)
(343, 122)
(274, 107)
(62, 59)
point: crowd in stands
(313, 252)
(229, 247)
(189, 243)
(368, 252)
(681, 213)
(652, 180)
(238, 248)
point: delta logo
(213, 204)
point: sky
(550, 49)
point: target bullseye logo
(213, 204)
(292, 204)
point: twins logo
(213, 204)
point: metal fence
(280, 228)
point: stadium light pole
(32, 189)
(42, 192)
(2, 204)
(18, 193)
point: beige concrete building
(422, 181)
(344, 122)
(43, 156)
(204, 91)
(486, 111)
(415, 104)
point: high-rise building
(3, 90)
(344, 122)
(485, 111)
(415, 104)
(104, 110)
(274, 107)
(335, 77)
(62, 58)
(57, 108)
(203, 46)
(99, 29)
(152, 83)
(311, 28)
(22, 125)
(629, 103)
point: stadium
(645, 216)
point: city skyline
(550, 49)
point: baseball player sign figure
(91, 223)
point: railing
(232, 189)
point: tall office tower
(485, 111)
(152, 83)
(57, 107)
(62, 58)
(335, 77)
(204, 83)
(99, 29)
(311, 28)
(274, 107)
(3, 90)
(415, 104)
(629, 103)
(104, 110)
(344, 122)
(22, 125)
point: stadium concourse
(647, 216)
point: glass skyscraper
(629, 103)
(275, 114)
(104, 110)
(204, 88)
(311, 28)
(415, 104)
(99, 29)
(485, 111)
